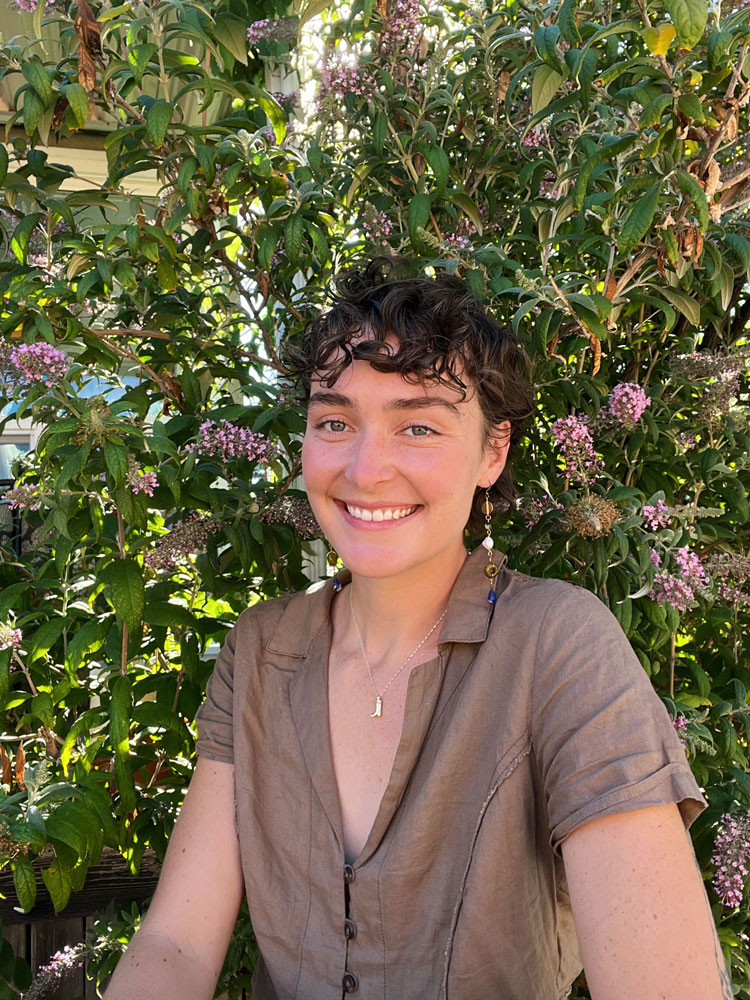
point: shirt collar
(467, 617)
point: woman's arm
(178, 950)
(641, 912)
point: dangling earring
(490, 570)
(332, 558)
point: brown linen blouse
(535, 717)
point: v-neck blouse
(535, 716)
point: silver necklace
(379, 695)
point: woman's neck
(393, 611)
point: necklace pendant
(378, 708)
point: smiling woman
(518, 797)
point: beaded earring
(490, 570)
(332, 558)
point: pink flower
(39, 362)
(402, 26)
(627, 403)
(339, 78)
(680, 725)
(681, 589)
(534, 508)
(283, 29)
(23, 496)
(377, 226)
(181, 542)
(657, 516)
(138, 481)
(731, 855)
(231, 441)
(49, 977)
(655, 557)
(577, 447)
(10, 637)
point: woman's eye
(420, 430)
(337, 426)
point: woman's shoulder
(267, 617)
(549, 594)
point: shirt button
(350, 929)
(350, 983)
(348, 874)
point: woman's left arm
(643, 920)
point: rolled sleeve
(214, 717)
(603, 739)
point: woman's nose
(369, 461)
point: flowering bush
(579, 167)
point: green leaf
(171, 615)
(719, 43)
(158, 117)
(689, 18)
(741, 248)
(57, 880)
(42, 707)
(651, 114)
(546, 38)
(638, 220)
(33, 109)
(152, 715)
(125, 274)
(607, 152)
(544, 85)
(690, 187)
(87, 640)
(3, 163)
(119, 716)
(691, 107)
(419, 214)
(272, 109)
(469, 207)
(139, 56)
(24, 881)
(124, 582)
(64, 824)
(44, 638)
(116, 459)
(232, 33)
(293, 233)
(37, 75)
(125, 784)
(567, 21)
(686, 304)
(380, 130)
(19, 241)
(167, 275)
(78, 100)
(440, 165)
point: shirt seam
(457, 909)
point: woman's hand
(641, 912)
(178, 951)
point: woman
(433, 777)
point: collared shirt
(534, 717)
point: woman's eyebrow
(407, 403)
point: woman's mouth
(389, 512)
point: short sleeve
(214, 717)
(603, 739)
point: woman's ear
(496, 450)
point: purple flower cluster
(296, 512)
(682, 587)
(10, 637)
(627, 403)
(23, 496)
(377, 226)
(657, 515)
(401, 27)
(458, 242)
(339, 78)
(138, 481)
(231, 441)
(680, 725)
(732, 572)
(286, 101)
(723, 373)
(576, 445)
(181, 542)
(49, 977)
(534, 508)
(38, 362)
(534, 138)
(731, 856)
(283, 29)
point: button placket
(350, 983)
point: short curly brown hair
(444, 335)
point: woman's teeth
(381, 514)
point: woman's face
(391, 468)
